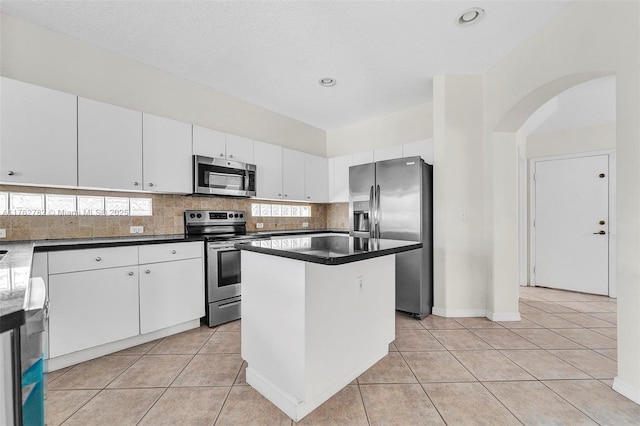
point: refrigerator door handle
(378, 211)
(372, 220)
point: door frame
(611, 154)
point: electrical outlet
(305, 224)
(136, 229)
(360, 281)
(3, 233)
(259, 225)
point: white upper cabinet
(109, 146)
(362, 158)
(387, 153)
(423, 148)
(341, 178)
(215, 144)
(166, 155)
(38, 135)
(316, 178)
(292, 174)
(209, 143)
(268, 160)
(239, 149)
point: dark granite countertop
(16, 257)
(15, 272)
(329, 250)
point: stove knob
(192, 215)
(199, 215)
(235, 215)
(230, 215)
(241, 215)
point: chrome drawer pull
(173, 252)
(98, 259)
(147, 271)
(130, 274)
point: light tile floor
(556, 366)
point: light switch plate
(305, 224)
(3, 233)
(136, 229)
(259, 225)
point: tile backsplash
(167, 216)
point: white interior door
(571, 224)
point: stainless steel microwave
(217, 176)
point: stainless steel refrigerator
(392, 199)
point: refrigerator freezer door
(362, 179)
(400, 198)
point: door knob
(599, 233)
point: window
(280, 210)
(22, 204)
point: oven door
(223, 272)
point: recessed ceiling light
(469, 16)
(327, 82)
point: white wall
(459, 251)
(405, 126)
(573, 141)
(34, 54)
(588, 39)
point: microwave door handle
(246, 180)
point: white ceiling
(383, 54)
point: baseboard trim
(626, 390)
(504, 316)
(459, 313)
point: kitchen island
(316, 313)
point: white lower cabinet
(105, 295)
(91, 308)
(170, 293)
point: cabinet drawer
(154, 253)
(88, 259)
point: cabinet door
(388, 153)
(92, 308)
(268, 160)
(109, 146)
(166, 154)
(240, 149)
(423, 148)
(292, 174)
(171, 293)
(38, 135)
(209, 143)
(341, 179)
(316, 178)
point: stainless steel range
(221, 229)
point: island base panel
(309, 329)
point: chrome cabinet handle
(280, 195)
(11, 173)
(147, 271)
(308, 197)
(130, 274)
(173, 252)
(285, 195)
(230, 155)
(221, 154)
(150, 184)
(599, 233)
(46, 309)
(136, 183)
(98, 259)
